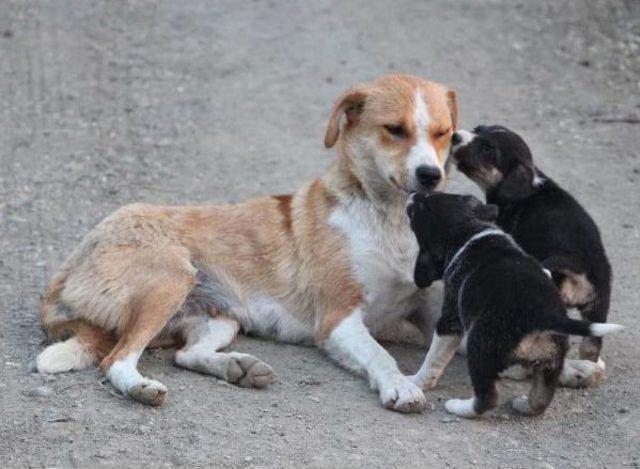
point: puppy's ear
(518, 183)
(425, 272)
(487, 212)
(453, 108)
(350, 103)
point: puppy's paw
(581, 374)
(424, 383)
(148, 391)
(461, 408)
(401, 394)
(521, 405)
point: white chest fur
(383, 252)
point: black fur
(545, 220)
(495, 292)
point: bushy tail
(82, 344)
(52, 311)
(570, 326)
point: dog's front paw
(424, 383)
(581, 374)
(401, 394)
(461, 408)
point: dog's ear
(518, 183)
(350, 103)
(425, 272)
(487, 212)
(453, 108)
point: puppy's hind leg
(594, 311)
(200, 354)
(545, 380)
(484, 366)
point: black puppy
(544, 220)
(497, 295)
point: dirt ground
(105, 103)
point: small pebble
(449, 419)
(248, 459)
(144, 429)
(41, 391)
(623, 410)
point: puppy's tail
(570, 326)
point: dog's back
(554, 228)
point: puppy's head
(397, 133)
(496, 159)
(442, 223)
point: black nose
(428, 176)
(456, 138)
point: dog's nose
(456, 138)
(428, 176)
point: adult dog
(324, 265)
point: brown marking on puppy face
(396, 125)
(575, 289)
(497, 159)
(284, 206)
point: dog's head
(397, 133)
(496, 159)
(442, 223)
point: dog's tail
(570, 326)
(78, 344)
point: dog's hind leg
(200, 353)
(149, 311)
(484, 366)
(545, 380)
(594, 311)
(485, 398)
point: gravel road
(105, 103)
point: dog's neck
(454, 255)
(346, 184)
(538, 183)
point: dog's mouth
(401, 188)
(407, 192)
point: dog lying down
(497, 295)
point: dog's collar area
(474, 238)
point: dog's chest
(383, 255)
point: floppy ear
(453, 108)
(518, 183)
(487, 212)
(425, 272)
(351, 103)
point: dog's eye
(486, 149)
(441, 133)
(396, 130)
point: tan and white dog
(325, 265)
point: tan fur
(131, 275)
(536, 346)
(576, 290)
